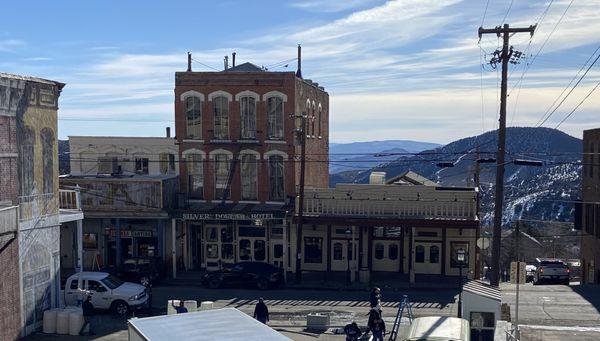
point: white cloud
(331, 6)
(11, 45)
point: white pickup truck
(107, 291)
(551, 270)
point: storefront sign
(129, 233)
(229, 216)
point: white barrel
(170, 309)
(49, 323)
(190, 305)
(206, 305)
(62, 322)
(75, 322)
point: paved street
(288, 308)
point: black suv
(143, 270)
(263, 275)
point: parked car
(263, 275)
(551, 270)
(530, 272)
(143, 270)
(108, 292)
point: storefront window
(251, 231)
(420, 254)
(313, 250)
(212, 251)
(379, 251)
(227, 251)
(393, 251)
(278, 251)
(211, 234)
(245, 249)
(434, 254)
(259, 250)
(337, 251)
(227, 234)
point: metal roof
(31, 79)
(245, 67)
(216, 324)
(483, 289)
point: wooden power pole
(501, 56)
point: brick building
(590, 196)
(239, 148)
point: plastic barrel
(62, 322)
(206, 305)
(49, 323)
(75, 322)
(190, 305)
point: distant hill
(361, 155)
(543, 193)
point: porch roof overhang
(389, 221)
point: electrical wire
(507, 11)
(577, 106)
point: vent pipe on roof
(226, 62)
(189, 62)
(299, 71)
(233, 59)
(168, 132)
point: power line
(507, 11)
(208, 66)
(577, 106)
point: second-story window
(249, 174)
(320, 125)
(47, 137)
(141, 165)
(248, 117)
(276, 182)
(221, 116)
(222, 165)
(193, 117)
(274, 118)
(195, 170)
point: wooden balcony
(393, 202)
(69, 205)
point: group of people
(376, 325)
(261, 312)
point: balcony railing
(9, 220)
(69, 199)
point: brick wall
(10, 309)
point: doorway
(341, 254)
(427, 258)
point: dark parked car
(143, 270)
(263, 275)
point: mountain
(540, 193)
(364, 155)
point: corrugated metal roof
(217, 324)
(483, 289)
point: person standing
(181, 308)
(377, 326)
(88, 315)
(375, 299)
(261, 312)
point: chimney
(233, 59)
(226, 63)
(168, 132)
(299, 71)
(189, 62)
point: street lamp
(348, 233)
(460, 255)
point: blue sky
(404, 69)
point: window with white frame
(193, 117)
(276, 182)
(275, 118)
(248, 117)
(249, 174)
(195, 175)
(221, 116)
(222, 165)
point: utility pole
(504, 57)
(517, 239)
(302, 132)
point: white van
(107, 291)
(439, 328)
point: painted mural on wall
(34, 104)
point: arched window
(434, 254)
(276, 182)
(248, 117)
(221, 116)
(275, 118)
(193, 117)
(419, 254)
(47, 137)
(338, 251)
(379, 251)
(27, 162)
(222, 167)
(195, 170)
(249, 175)
(320, 118)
